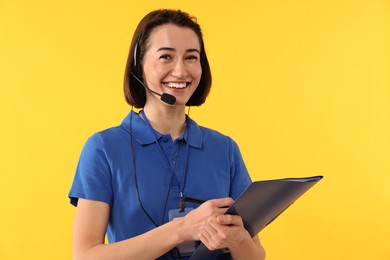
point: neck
(167, 119)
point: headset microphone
(165, 97)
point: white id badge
(186, 248)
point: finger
(220, 211)
(230, 220)
(206, 234)
(205, 240)
(211, 225)
(222, 203)
(214, 228)
(218, 236)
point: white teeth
(176, 85)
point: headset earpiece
(135, 55)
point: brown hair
(134, 91)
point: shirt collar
(193, 134)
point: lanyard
(181, 184)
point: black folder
(260, 204)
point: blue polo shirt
(214, 169)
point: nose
(179, 69)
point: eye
(165, 57)
(192, 57)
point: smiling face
(171, 63)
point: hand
(196, 218)
(222, 231)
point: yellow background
(302, 86)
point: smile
(176, 84)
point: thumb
(229, 220)
(222, 219)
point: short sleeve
(240, 178)
(92, 179)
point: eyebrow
(173, 49)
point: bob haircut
(134, 92)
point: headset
(165, 97)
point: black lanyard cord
(135, 172)
(137, 189)
(136, 181)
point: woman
(142, 182)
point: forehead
(170, 35)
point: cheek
(198, 73)
(153, 73)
